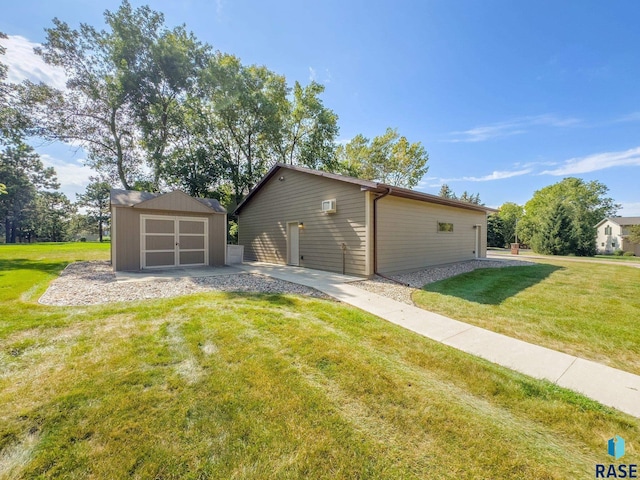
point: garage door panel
(158, 225)
(160, 259)
(160, 242)
(191, 258)
(192, 226)
(172, 241)
(192, 242)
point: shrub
(83, 239)
(618, 253)
(629, 254)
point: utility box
(515, 248)
(235, 254)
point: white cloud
(495, 175)
(629, 209)
(312, 74)
(73, 176)
(631, 117)
(513, 127)
(598, 161)
(24, 64)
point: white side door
(293, 244)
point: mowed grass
(586, 309)
(266, 386)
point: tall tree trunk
(12, 237)
(7, 230)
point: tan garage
(320, 220)
(153, 230)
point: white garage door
(173, 241)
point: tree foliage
(634, 234)
(23, 174)
(388, 158)
(584, 203)
(447, 192)
(309, 130)
(53, 212)
(95, 200)
(510, 214)
(238, 122)
(495, 228)
(123, 90)
(13, 117)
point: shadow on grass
(6, 266)
(275, 299)
(492, 286)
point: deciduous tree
(634, 234)
(388, 158)
(510, 214)
(124, 88)
(309, 130)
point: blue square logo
(616, 447)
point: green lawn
(617, 258)
(585, 309)
(265, 386)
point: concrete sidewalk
(609, 386)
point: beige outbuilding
(325, 221)
(152, 230)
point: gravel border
(94, 283)
(416, 280)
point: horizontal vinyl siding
(176, 202)
(408, 237)
(262, 224)
(217, 239)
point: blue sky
(507, 97)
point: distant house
(154, 230)
(309, 218)
(612, 235)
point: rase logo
(615, 448)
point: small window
(445, 227)
(602, 244)
(607, 230)
(613, 244)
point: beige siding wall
(262, 224)
(126, 236)
(217, 239)
(176, 202)
(408, 237)
(608, 243)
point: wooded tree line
(558, 220)
(155, 109)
